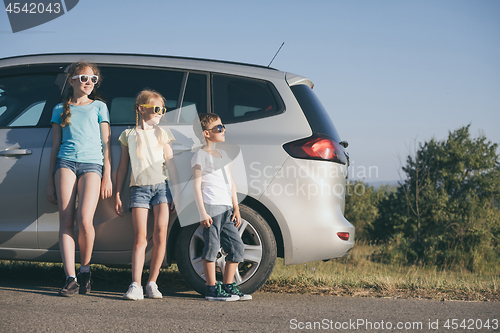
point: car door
(26, 98)
(121, 84)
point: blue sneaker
(233, 289)
(217, 293)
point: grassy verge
(356, 276)
(350, 276)
(52, 274)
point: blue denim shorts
(222, 232)
(79, 169)
(147, 196)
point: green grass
(52, 274)
(353, 275)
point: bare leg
(89, 186)
(65, 183)
(209, 268)
(229, 272)
(140, 221)
(161, 214)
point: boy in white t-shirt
(215, 196)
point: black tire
(251, 274)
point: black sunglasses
(219, 128)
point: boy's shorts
(223, 233)
(147, 196)
(78, 168)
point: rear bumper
(307, 198)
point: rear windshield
(316, 115)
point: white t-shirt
(148, 169)
(215, 183)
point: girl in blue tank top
(80, 165)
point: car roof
(195, 64)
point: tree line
(445, 212)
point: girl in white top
(147, 147)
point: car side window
(23, 98)
(120, 86)
(194, 100)
(238, 99)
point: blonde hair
(73, 70)
(145, 97)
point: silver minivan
(290, 165)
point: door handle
(15, 152)
(180, 147)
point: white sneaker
(134, 292)
(152, 290)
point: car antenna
(276, 54)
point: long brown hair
(73, 70)
(145, 97)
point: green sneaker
(233, 289)
(217, 293)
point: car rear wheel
(259, 255)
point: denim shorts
(222, 232)
(79, 169)
(147, 196)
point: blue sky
(390, 73)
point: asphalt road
(28, 308)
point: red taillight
(343, 235)
(316, 147)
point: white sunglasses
(84, 78)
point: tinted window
(316, 115)
(194, 99)
(238, 99)
(23, 98)
(120, 87)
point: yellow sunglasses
(157, 109)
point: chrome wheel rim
(252, 255)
